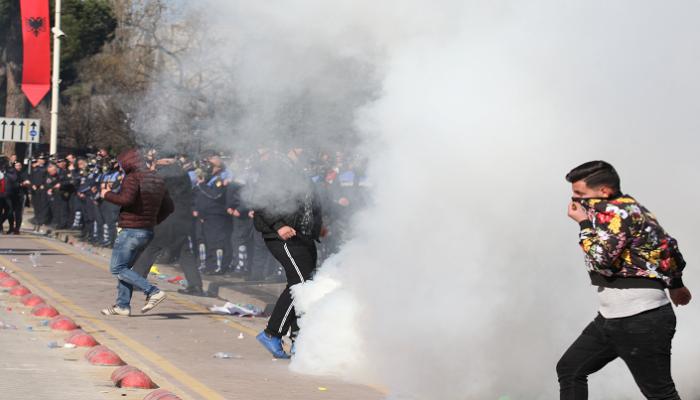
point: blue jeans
(129, 245)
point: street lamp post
(55, 78)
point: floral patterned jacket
(622, 239)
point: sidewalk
(174, 345)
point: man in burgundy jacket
(144, 203)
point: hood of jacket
(131, 160)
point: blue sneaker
(272, 344)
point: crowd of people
(213, 222)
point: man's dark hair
(595, 174)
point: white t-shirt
(620, 303)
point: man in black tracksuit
(288, 215)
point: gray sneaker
(153, 300)
(116, 310)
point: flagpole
(55, 79)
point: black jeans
(5, 212)
(17, 201)
(298, 257)
(172, 230)
(643, 341)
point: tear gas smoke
(463, 278)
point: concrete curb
(221, 291)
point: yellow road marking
(138, 348)
(172, 295)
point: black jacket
(268, 223)
(179, 187)
(287, 206)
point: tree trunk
(15, 103)
(3, 87)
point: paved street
(174, 345)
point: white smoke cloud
(464, 279)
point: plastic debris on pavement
(154, 270)
(322, 389)
(247, 310)
(34, 258)
(69, 346)
(240, 336)
(53, 345)
(176, 279)
(227, 356)
(4, 325)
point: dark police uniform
(210, 204)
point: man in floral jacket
(632, 261)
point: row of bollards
(126, 376)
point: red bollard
(19, 291)
(62, 323)
(9, 282)
(101, 355)
(131, 377)
(81, 339)
(44, 310)
(161, 394)
(31, 300)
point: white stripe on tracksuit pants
(298, 257)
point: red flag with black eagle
(36, 39)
